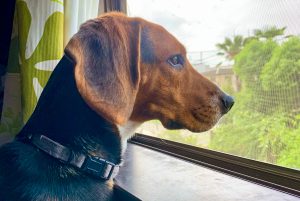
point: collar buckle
(100, 168)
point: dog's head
(131, 69)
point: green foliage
(290, 156)
(11, 123)
(265, 122)
(248, 66)
(250, 61)
(285, 62)
(258, 136)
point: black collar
(92, 165)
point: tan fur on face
(180, 95)
(123, 74)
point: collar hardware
(95, 166)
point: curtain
(41, 29)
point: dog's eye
(176, 61)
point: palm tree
(231, 47)
(269, 32)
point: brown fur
(123, 74)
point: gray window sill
(150, 175)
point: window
(251, 49)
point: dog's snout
(227, 103)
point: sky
(200, 24)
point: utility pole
(201, 57)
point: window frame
(276, 177)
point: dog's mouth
(196, 122)
(196, 127)
(173, 125)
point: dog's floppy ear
(106, 51)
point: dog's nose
(227, 103)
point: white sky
(200, 24)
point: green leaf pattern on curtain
(41, 29)
(40, 26)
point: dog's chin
(200, 128)
(204, 123)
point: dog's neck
(62, 115)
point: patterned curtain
(41, 29)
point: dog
(117, 72)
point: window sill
(151, 175)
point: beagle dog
(117, 72)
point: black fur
(28, 174)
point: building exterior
(223, 76)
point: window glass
(251, 49)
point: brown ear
(107, 55)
